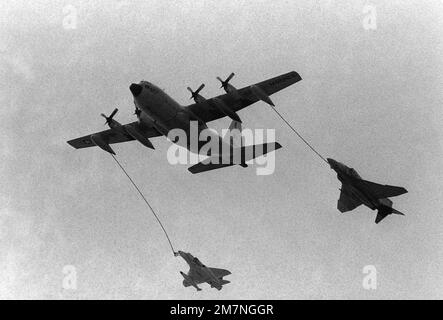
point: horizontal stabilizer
(200, 167)
(384, 211)
(255, 151)
(239, 156)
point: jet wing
(346, 202)
(378, 190)
(208, 111)
(219, 273)
(198, 278)
(111, 136)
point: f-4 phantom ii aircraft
(199, 273)
(158, 114)
(356, 191)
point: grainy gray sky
(369, 98)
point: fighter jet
(199, 273)
(356, 191)
(157, 114)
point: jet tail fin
(381, 214)
(397, 212)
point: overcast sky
(371, 99)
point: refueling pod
(261, 95)
(98, 140)
(137, 135)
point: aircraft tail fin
(381, 214)
(397, 212)
(234, 136)
(219, 285)
(239, 156)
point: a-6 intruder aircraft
(199, 273)
(158, 114)
(356, 191)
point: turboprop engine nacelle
(195, 94)
(226, 110)
(229, 88)
(261, 95)
(113, 124)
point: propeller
(194, 94)
(109, 119)
(137, 112)
(225, 83)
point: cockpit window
(149, 86)
(196, 261)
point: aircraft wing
(208, 111)
(219, 273)
(346, 202)
(111, 136)
(380, 191)
(196, 276)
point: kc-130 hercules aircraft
(158, 113)
(356, 191)
(199, 273)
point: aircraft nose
(331, 161)
(135, 89)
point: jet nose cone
(135, 89)
(331, 162)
